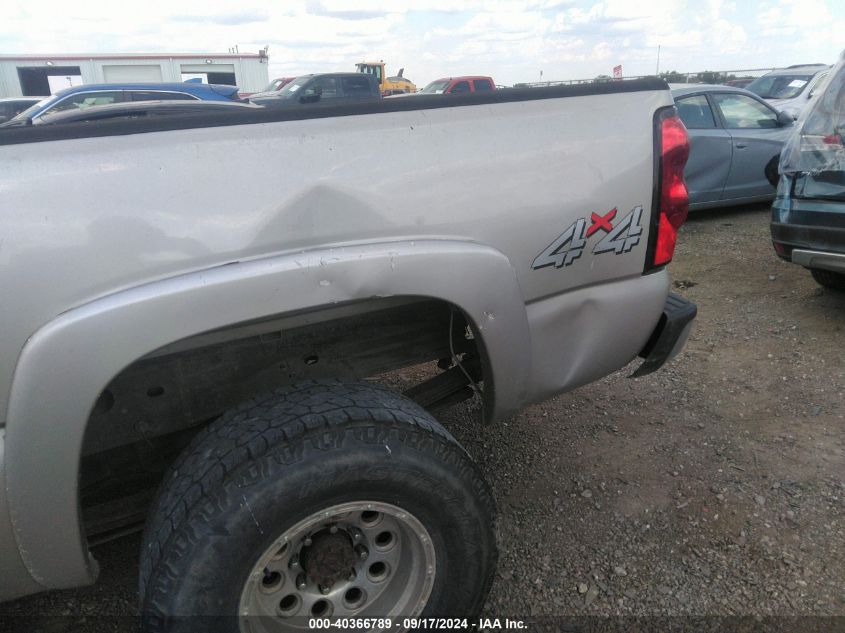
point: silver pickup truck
(192, 306)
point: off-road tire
(829, 279)
(263, 466)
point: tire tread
(829, 278)
(249, 432)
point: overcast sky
(511, 40)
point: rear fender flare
(66, 364)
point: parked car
(808, 215)
(459, 85)
(101, 94)
(12, 106)
(790, 89)
(272, 89)
(256, 275)
(733, 134)
(739, 83)
(135, 110)
(278, 83)
(323, 88)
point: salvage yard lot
(714, 486)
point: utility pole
(657, 72)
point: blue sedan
(103, 94)
(734, 135)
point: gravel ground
(712, 487)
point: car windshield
(274, 85)
(32, 109)
(290, 89)
(435, 87)
(779, 86)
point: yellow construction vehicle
(389, 85)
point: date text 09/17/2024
(432, 624)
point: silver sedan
(734, 135)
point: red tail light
(674, 199)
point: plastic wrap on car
(818, 142)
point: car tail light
(672, 149)
(783, 250)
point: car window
(290, 88)
(356, 86)
(819, 84)
(461, 86)
(12, 108)
(30, 111)
(16, 107)
(153, 95)
(695, 112)
(325, 86)
(779, 86)
(277, 84)
(435, 87)
(743, 112)
(86, 100)
(481, 85)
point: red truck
(459, 85)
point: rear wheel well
(154, 406)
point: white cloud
(512, 40)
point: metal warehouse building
(42, 75)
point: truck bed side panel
(87, 217)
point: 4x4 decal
(570, 244)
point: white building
(42, 75)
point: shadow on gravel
(725, 213)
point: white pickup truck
(192, 306)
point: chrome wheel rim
(362, 559)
